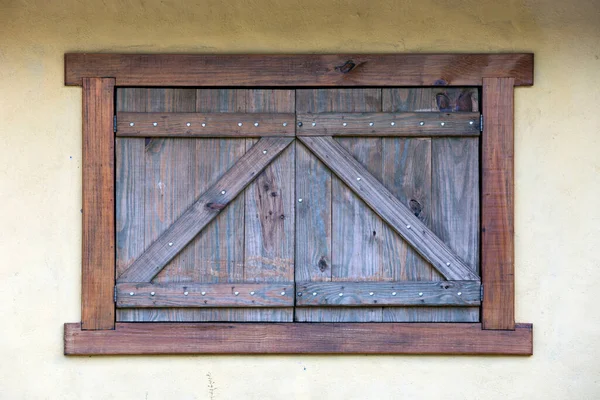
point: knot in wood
(346, 67)
(216, 206)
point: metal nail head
(392, 123)
(299, 123)
(471, 122)
(299, 294)
(344, 124)
(370, 124)
(237, 293)
(203, 124)
(264, 152)
(447, 264)
(131, 124)
(393, 293)
(285, 124)
(170, 244)
(371, 293)
(152, 293)
(407, 226)
(459, 293)
(185, 293)
(420, 294)
(203, 293)
(314, 124)
(251, 293)
(442, 123)
(283, 293)
(421, 123)
(188, 124)
(223, 192)
(256, 124)
(299, 200)
(314, 293)
(155, 123)
(131, 293)
(358, 179)
(239, 124)
(341, 294)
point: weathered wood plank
(455, 196)
(396, 214)
(196, 314)
(130, 185)
(269, 206)
(98, 206)
(192, 221)
(351, 252)
(313, 217)
(497, 206)
(205, 295)
(289, 338)
(388, 124)
(407, 174)
(222, 124)
(354, 294)
(299, 70)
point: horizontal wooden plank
(444, 293)
(388, 124)
(205, 295)
(299, 70)
(204, 210)
(389, 208)
(298, 338)
(205, 124)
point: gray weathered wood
(400, 218)
(353, 294)
(388, 124)
(269, 207)
(222, 124)
(313, 217)
(409, 179)
(191, 222)
(354, 252)
(205, 295)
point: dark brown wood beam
(299, 70)
(298, 338)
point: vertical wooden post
(497, 204)
(98, 256)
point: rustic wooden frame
(497, 74)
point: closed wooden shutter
(308, 205)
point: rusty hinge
(114, 124)
(480, 125)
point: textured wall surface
(557, 193)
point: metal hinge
(480, 123)
(481, 293)
(114, 124)
(115, 294)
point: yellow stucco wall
(557, 193)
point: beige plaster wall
(557, 193)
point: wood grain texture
(396, 214)
(313, 217)
(497, 206)
(269, 201)
(408, 175)
(294, 338)
(441, 293)
(191, 222)
(98, 207)
(223, 124)
(299, 70)
(388, 124)
(135, 295)
(354, 252)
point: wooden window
(298, 204)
